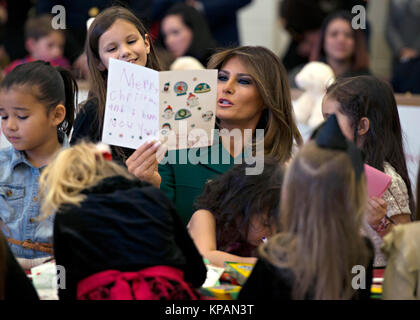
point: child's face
(123, 41)
(24, 121)
(178, 37)
(259, 228)
(48, 48)
(239, 102)
(331, 106)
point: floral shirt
(396, 197)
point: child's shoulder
(6, 157)
(16, 63)
(397, 180)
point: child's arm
(202, 228)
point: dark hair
(39, 27)
(203, 43)
(368, 96)
(50, 86)
(360, 59)
(97, 78)
(234, 198)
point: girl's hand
(375, 211)
(143, 163)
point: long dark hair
(51, 86)
(360, 58)
(368, 96)
(97, 78)
(203, 43)
(234, 198)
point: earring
(63, 126)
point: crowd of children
(126, 227)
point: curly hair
(234, 198)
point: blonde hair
(272, 83)
(321, 216)
(74, 169)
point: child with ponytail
(37, 105)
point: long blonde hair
(272, 83)
(321, 216)
(74, 169)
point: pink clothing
(153, 283)
(62, 62)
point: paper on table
(176, 107)
(377, 181)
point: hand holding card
(377, 181)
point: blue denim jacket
(19, 203)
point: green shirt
(184, 181)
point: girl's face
(123, 41)
(259, 228)
(25, 122)
(331, 106)
(238, 99)
(178, 37)
(339, 40)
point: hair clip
(104, 150)
(329, 136)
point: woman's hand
(375, 211)
(143, 163)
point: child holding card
(252, 93)
(115, 33)
(367, 113)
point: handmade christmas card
(175, 107)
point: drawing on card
(141, 106)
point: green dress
(183, 177)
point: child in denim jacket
(37, 104)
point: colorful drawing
(202, 88)
(166, 125)
(166, 129)
(192, 100)
(166, 87)
(180, 88)
(207, 115)
(182, 114)
(168, 113)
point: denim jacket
(19, 202)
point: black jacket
(268, 282)
(122, 225)
(17, 285)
